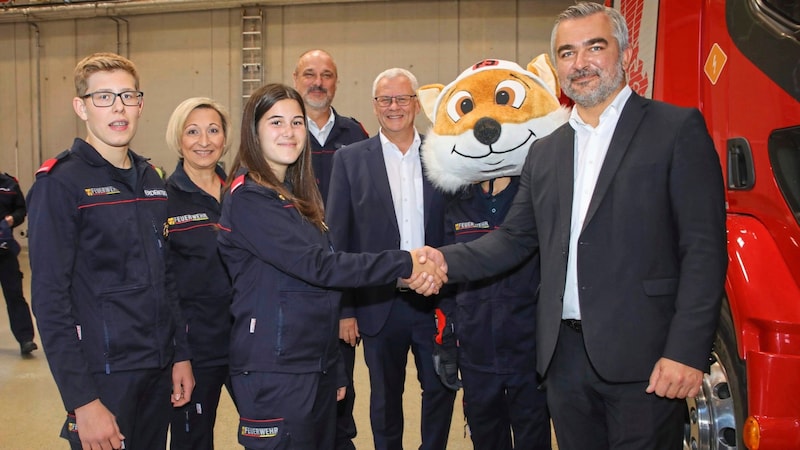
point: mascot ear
(543, 68)
(427, 97)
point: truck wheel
(715, 418)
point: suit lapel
(376, 171)
(632, 114)
(427, 188)
(565, 168)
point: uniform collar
(85, 151)
(181, 180)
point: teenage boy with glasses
(105, 307)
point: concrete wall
(186, 54)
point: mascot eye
(459, 105)
(510, 92)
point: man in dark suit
(315, 78)
(625, 205)
(378, 200)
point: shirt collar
(612, 110)
(329, 124)
(386, 144)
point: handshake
(429, 272)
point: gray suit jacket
(652, 253)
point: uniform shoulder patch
(360, 125)
(237, 183)
(48, 165)
(12, 177)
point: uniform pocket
(306, 322)
(263, 434)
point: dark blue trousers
(140, 400)
(192, 426)
(498, 404)
(286, 410)
(410, 326)
(19, 314)
(345, 424)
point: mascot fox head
(485, 121)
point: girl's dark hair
(300, 175)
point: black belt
(405, 291)
(575, 324)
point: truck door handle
(741, 173)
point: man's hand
(672, 379)
(429, 272)
(434, 255)
(182, 383)
(340, 393)
(97, 427)
(348, 331)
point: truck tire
(715, 418)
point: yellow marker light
(751, 433)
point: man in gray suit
(625, 205)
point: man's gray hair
(585, 9)
(394, 73)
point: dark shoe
(27, 347)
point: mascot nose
(487, 130)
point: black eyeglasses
(104, 99)
(402, 100)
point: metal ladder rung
(252, 43)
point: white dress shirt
(591, 146)
(405, 180)
(321, 134)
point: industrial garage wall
(192, 53)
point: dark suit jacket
(652, 253)
(361, 217)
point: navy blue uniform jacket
(495, 318)
(345, 131)
(12, 203)
(102, 300)
(361, 215)
(203, 285)
(286, 319)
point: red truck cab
(738, 61)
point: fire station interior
(222, 50)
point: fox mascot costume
(483, 125)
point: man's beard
(594, 97)
(317, 104)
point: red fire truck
(738, 61)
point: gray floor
(31, 412)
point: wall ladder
(252, 54)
